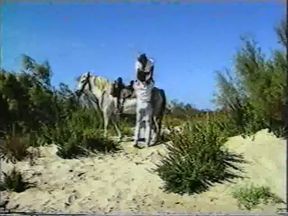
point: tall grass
(13, 181)
(78, 135)
(250, 197)
(14, 146)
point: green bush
(13, 181)
(14, 147)
(250, 197)
(127, 127)
(126, 124)
(94, 141)
(253, 92)
(31, 105)
(171, 121)
(197, 160)
(77, 135)
(70, 142)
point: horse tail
(158, 120)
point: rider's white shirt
(143, 92)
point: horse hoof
(153, 142)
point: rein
(82, 91)
(87, 81)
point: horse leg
(117, 130)
(154, 131)
(106, 123)
(148, 125)
(159, 123)
(137, 127)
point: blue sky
(189, 42)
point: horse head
(83, 83)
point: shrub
(246, 119)
(95, 141)
(222, 120)
(249, 197)
(13, 181)
(70, 145)
(253, 91)
(171, 121)
(77, 135)
(196, 159)
(14, 147)
(126, 125)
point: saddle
(122, 92)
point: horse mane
(101, 83)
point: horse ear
(88, 73)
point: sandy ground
(125, 182)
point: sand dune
(125, 182)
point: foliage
(31, 105)
(180, 112)
(172, 121)
(96, 142)
(13, 181)
(126, 128)
(77, 135)
(126, 125)
(14, 147)
(254, 92)
(196, 159)
(249, 197)
(26, 97)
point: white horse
(101, 89)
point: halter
(86, 81)
(82, 90)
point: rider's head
(143, 59)
(119, 80)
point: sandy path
(125, 182)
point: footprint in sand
(96, 178)
(46, 203)
(72, 198)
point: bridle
(82, 90)
(86, 81)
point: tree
(257, 87)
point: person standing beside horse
(143, 89)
